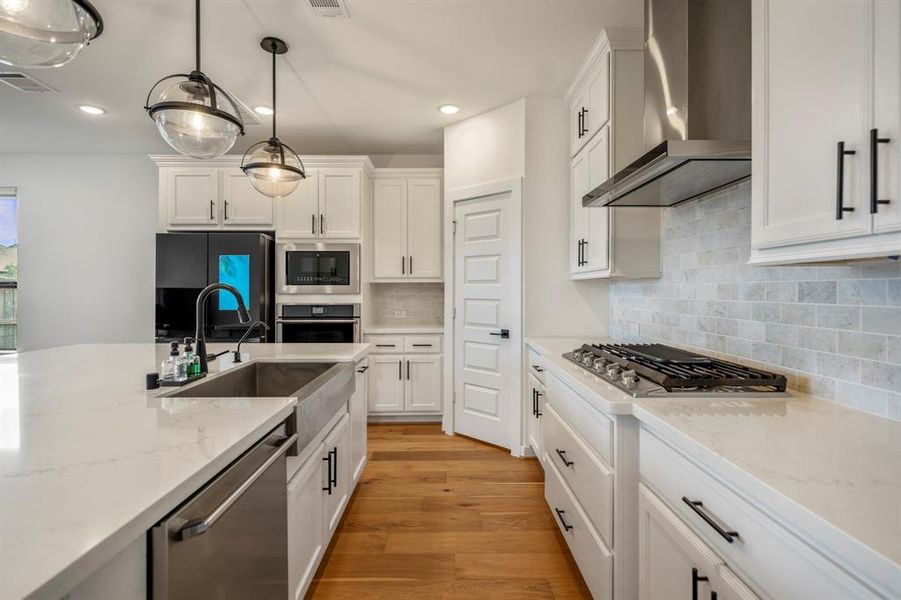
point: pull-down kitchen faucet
(200, 316)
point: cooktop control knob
(613, 370)
(629, 379)
(599, 365)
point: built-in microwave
(317, 268)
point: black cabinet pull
(579, 125)
(422, 345)
(328, 478)
(400, 369)
(363, 369)
(562, 455)
(408, 370)
(386, 345)
(875, 140)
(584, 126)
(534, 402)
(698, 507)
(840, 209)
(321, 223)
(334, 481)
(313, 224)
(538, 412)
(411, 264)
(695, 578)
(226, 210)
(403, 265)
(212, 216)
(712, 595)
(538, 368)
(560, 513)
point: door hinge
(454, 225)
(454, 313)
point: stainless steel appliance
(697, 105)
(318, 268)
(318, 323)
(187, 262)
(649, 370)
(230, 540)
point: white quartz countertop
(89, 460)
(835, 465)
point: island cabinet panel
(124, 577)
(336, 477)
(358, 409)
(306, 510)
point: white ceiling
(368, 84)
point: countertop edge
(106, 549)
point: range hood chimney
(697, 105)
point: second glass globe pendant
(274, 169)
(194, 115)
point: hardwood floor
(446, 517)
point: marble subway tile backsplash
(833, 330)
(421, 304)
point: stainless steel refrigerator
(189, 261)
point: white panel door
(887, 114)
(487, 300)
(423, 384)
(579, 217)
(386, 383)
(242, 204)
(358, 410)
(672, 560)
(811, 93)
(299, 210)
(596, 253)
(424, 239)
(337, 482)
(305, 524)
(389, 229)
(339, 203)
(193, 195)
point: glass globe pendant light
(194, 115)
(45, 33)
(275, 170)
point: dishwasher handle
(197, 527)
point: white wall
(86, 247)
(554, 305)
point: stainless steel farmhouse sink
(321, 389)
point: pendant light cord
(197, 33)
(273, 90)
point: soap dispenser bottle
(169, 367)
(192, 361)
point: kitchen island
(90, 460)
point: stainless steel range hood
(697, 105)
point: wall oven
(318, 268)
(318, 323)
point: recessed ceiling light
(263, 110)
(91, 110)
(449, 109)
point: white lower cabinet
(358, 409)
(406, 379)
(306, 515)
(336, 476)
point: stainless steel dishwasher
(229, 540)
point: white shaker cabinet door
(579, 226)
(305, 524)
(596, 254)
(336, 478)
(242, 204)
(389, 229)
(810, 82)
(339, 203)
(424, 239)
(386, 383)
(598, 96)
(423, 383)
(193, 194)
(887, 115)
(299, 211)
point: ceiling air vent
(329, 8)
(24, 83)
(249, 117)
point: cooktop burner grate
(678, 370)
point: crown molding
(407, 172)
(234, 160)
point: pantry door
(488, 322)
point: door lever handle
(504, 333)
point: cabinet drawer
(386, 344)
(594, 559)
(594, 427)
(778, 562)
(589, 478)
(536, 365)
(430, 344)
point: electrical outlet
(400, 314)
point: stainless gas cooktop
(646, 370)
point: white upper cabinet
(339, 204)
(825, 76)
(215, 194)
(242, 204)
(193, 195)
(299, 211)
(406, 225)
(606, 125)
